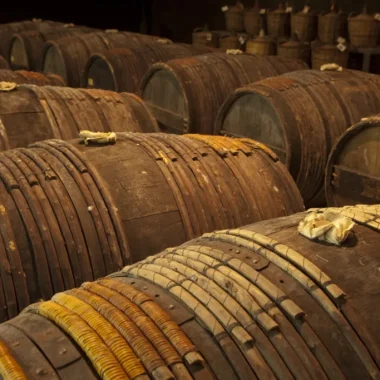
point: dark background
(174, 19)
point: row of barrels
(300, 116)
(31, 113)
(9, 29)
(72, 212)
(256, 302)
(272, 111)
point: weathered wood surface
(26, 48)
(30, 113)
(257, 302)
(353, 168)
(185, 94)
(30, 77)
(72, 213)
(68, 56)
(300, 115)
(8, 30)
(122, 70)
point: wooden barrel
(300, 115)
(123, 69)
(8, 30)
(30, 77)
(258, 302)
(68, 56)
(26, 47)
(185, 94)
(3, 63)
(353, 174)
(31, 113)
(73, 212)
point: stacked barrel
(34, 113)
(352, 172)
(73, 212)
(300, 116)
(259, 301)
(185, 94)
(253, 302)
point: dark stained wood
(68, 56)
(29, 113)
(29, 77)
(352, 173)
(26, 47)
(24, 351)
(186, 296)
(300, 115)
(8, 30)
(194, 88)
(73, 213)
(122, 70)
(149, 205)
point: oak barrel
(257, 302)
(31, 113)
(123, 69)
(353, 171)
(30, 77)
(8, 30)
(73, 212)
(26, 47)
(300, 115)
(68, 56)
(3, 63)
(185, 94)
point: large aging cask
(73, 212)
(257, 302)
(300, 115)
(68, 56)
(122, 70)
(26, 47)
(8, 30)
(353, 168)
(30, 77)
(186, 94)
(31, 113)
